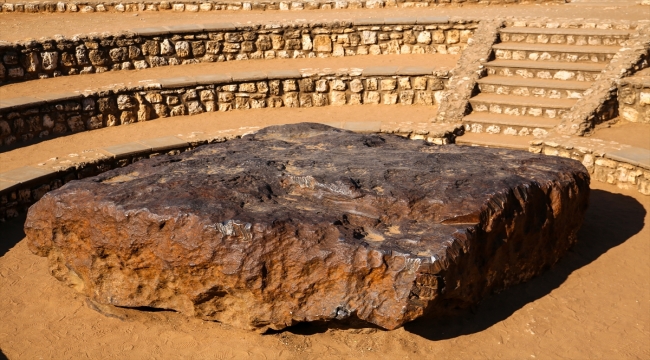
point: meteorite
(310, 223)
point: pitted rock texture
(306, 222)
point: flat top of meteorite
(390, 193)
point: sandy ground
(19, 26)
(594, 304)
(94, 81)
(625, 132)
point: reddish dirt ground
(594, 304)
(625, 132)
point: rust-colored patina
(306, 222)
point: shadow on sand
(11, 233)
(610, 220)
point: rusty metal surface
(310, 223)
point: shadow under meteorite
(610, 220)
(11, 232)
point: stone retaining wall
(18, 198)
(52, 115)
(624, 166)
(258, 5)
(634, 99)
(188, 44)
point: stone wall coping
(406, 20)
(164, 143)
(6, 104)
(185, 28)
(249, 76)
(368, 21)
(6, 185)
(224, 26)
(151, 31)
(177, 82)
(25, 174)
(124, 150)
(632, 155)
(414, 70)
(58, 97)
(426, 20)
(565, 31)
(380, 71)
(208, 79)
(284, 74)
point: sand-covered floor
(594, 304)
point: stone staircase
(537, 75)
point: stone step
(482, 122)
(546, 69)
(554, 52)
(521, 105)
(553, 89)
(564, 36)
(495, 141)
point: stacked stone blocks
(634, 99)
(626, 167)
(30, 118)
(188, 44)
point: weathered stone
(309, 223)
(32, 62)
(183, 49)
(50, 60)
(98, 57)
(322, 43)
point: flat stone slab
(548, 65)
(25, 174)
(123, 150)
(632, 155)
(562, 31)
(6, 184)
(306, 222)
(164, 143)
